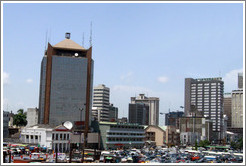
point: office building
(139, 113)
(121, 135)
(155, 135)
(113, 113)
(195, 128)
(32, 116)
(240, 80)
(206, 96)
(227, 108)
(122, 120)
(237, 109)
(66, 84)
(172, 118)
(101, 101)
(5, 124)
(172, 136)
(153, 104)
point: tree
(240, 143)
(196, 145)
(20, 118)
(204, 143)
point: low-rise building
(61, 139)
(37, 135)
(155, 135)
(189, 138)
(121, 135)
(199, 126)
(122, 120)
(57, 138)
(172, 136)
(11, 119)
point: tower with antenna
(91, 35)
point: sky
(137, 48)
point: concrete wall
(159, 134)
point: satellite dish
(76, 54)
(68, 125)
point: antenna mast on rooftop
(83, 40)
(91, 35)
(45, 44)
(49, 36)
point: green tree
(196, 145)
(233, 145)
(204, 143)
(240, 143)
(20, 118)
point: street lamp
(161, 113)
(81, 109)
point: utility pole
(70, 154)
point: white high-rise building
(206, 95)
(237, 109)
(101, 103)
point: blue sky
(137, 48)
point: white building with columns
(39, 134)
(57, 138)
(61, 137)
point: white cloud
(126, 76)
(29, 80)
(231, 80)
(6, 79)
(163, 79)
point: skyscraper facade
(139, 113)
(172, 118)
(206, 95)
(240, 80)
(227, 108)
(101, 101)
(113, 113)
(153, 104)
(66, 83)
(237, 109)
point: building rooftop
(40, 126)
(118, 123)
(69, 44)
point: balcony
(125, 142)
(125, 136)
(122, 131)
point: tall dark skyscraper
(139, 113)
(66, 83)
(153, 107)
(206, 95)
